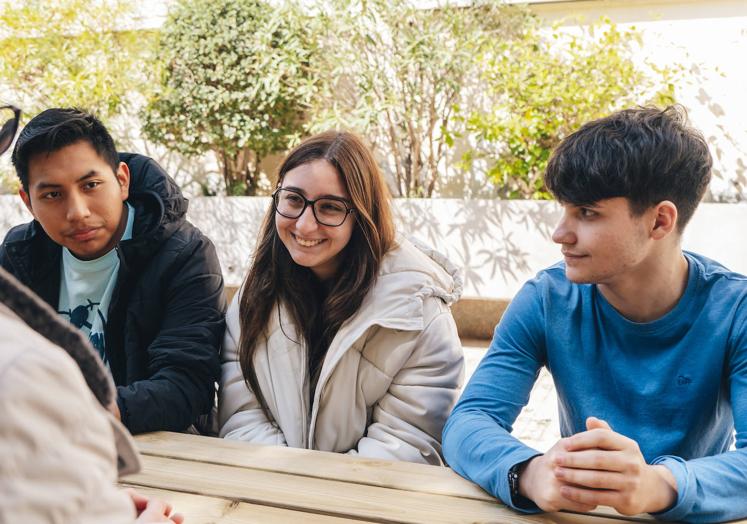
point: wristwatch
(513, 481)
(518, 500)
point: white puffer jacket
(388, 382)
(58, 446)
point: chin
(303, 260)
(578, 277)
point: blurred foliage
(70, 53)
(235, 79)
(543, 85)
(401, 75)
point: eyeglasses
(9, 116)
(328, 211)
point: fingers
(591, 478)
(599, 439)
(156, 511)
(593, 459)
(590, 497)
(596, 423)
(177, 518)
(572, 505)
(139, 500)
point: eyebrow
(46, 185)
(317, 198)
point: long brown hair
(275, 279)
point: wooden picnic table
(218, 481)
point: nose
(306, 222)
(77, 208)
(564, 233)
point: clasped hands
(597, 467)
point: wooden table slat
(202, 509)
(331, 497)
(336, 466)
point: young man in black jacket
(111, 250)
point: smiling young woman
(341, 338)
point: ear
(665, 219)
(26, 200)
(123, 178)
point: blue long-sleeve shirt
(677, 385)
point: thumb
(596, 423)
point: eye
(292, 198)
(51, 195)
(332, 207)
(91, 184)
(585, 212)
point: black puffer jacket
(166, 317)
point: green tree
(542, 85)
(235, 79)
(71, 53)
(401, 75)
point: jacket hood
(439, 276)
(160, 207)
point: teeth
(307, 243)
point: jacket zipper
(305, 395)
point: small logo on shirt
(79, 315)
(683, 380)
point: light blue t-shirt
(677, 385)
(86, 288)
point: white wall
(498, 244)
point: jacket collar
(160, 208)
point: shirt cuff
(523, 504)
(686, 496)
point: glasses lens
(289, 204)
(330, 212)
(9, 127)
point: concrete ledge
(475, 318)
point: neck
(652, 290)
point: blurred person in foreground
(646, 343)
(60, 450)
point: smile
(306, 242)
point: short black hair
(646, 155)
(55, 128)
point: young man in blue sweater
(647, 344)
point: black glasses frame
(9, 128)
(307, 203)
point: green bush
(544, 85)
(235, 79)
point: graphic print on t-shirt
(89, 318)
